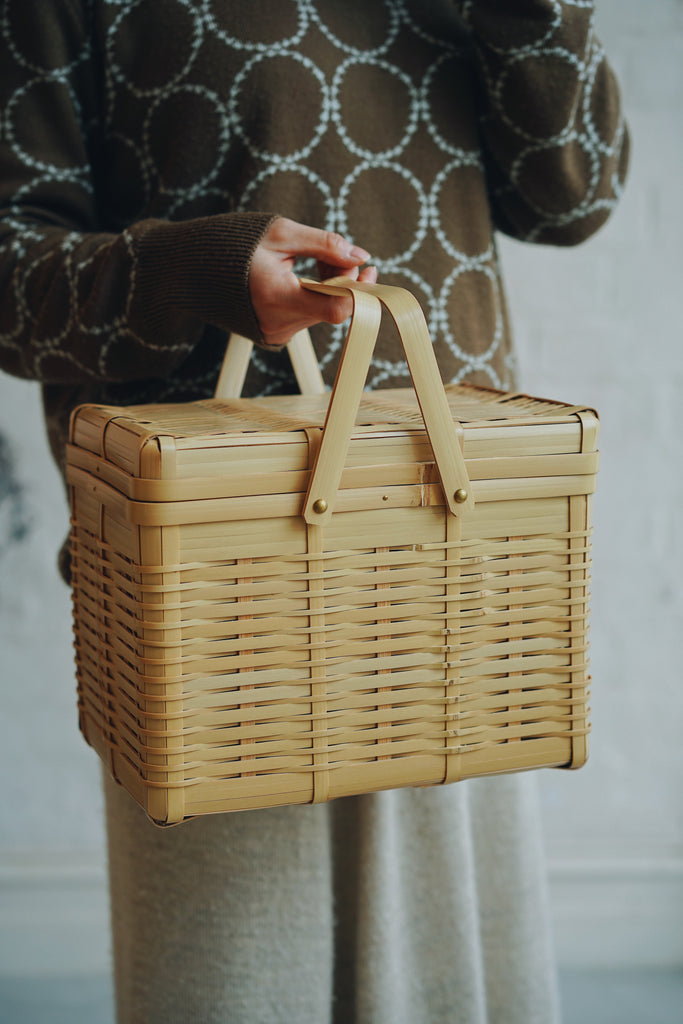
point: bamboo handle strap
(236, 363)
(348, 387)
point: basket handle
(407, 314)
(236, 363)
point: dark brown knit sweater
(146, 145)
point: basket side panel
(158, 716)
(264, 718)
(126, 642)
(259, 733)
(523, 653)
(580, 518)
(233, 664)
(247, 663)
(95, 610)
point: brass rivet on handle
(319, 506)
(460, 495)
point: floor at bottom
(588, 997)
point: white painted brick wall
(601, 325)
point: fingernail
(357, 253)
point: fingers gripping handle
(343, 407)
(441, 430)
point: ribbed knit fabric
(194, 270)
(409, 907)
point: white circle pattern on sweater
(271, 159)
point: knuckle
(339, 310)
(279, 229)
(334, 240)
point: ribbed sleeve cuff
(196, 270)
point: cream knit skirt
(416, 906)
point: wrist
(199, 267)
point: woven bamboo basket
(285, 600)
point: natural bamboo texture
(236, 649)
(236, 364)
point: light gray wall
(603, 325)
(600, 325)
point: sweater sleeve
(78, 302)
(555, 143)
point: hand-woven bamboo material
(241, 645)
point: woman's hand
(281, 305)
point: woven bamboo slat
(287, 600)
